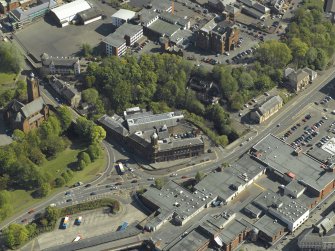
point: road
(284, 117)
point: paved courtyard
(45, 36)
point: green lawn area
(22, 200)
(7, 78)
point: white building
(118, 42)
(122, 16)
(67, 12)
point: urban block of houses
(26, 117)
(122, 16)
(126, 35)
(217, 38)
(60, 65)
(298, 80)
(66, 91)
(150, 136)
(221, 186)
(205, 90)
(265, 110)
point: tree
(32, 230)
(11, 59)
(245, 81)
(223, 140)
(84, 127)
(81, 164)
(90, 96)
(94, 150)
(86, 50)
(274, 53)
(15, 235)
(159, 183)
(44, 190)
(299, 50)
(35, 155)
(85, 157)
(97, 134)
(18, 135)
(65, 117)
(198, 177)
(59, 182)
(52, 214)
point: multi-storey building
(126, 35)
(217, 38)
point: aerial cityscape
(182, 125)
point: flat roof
(329, 147)
(70, 9)
(174, 198)
(194, 240)
(232, 231)
(164, 28)
(269, 225)
(221, 183)
(124, 14)
(280, 156)
(288, 209)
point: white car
(173, 174)
(226, 53)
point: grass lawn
(7, 78)
(22, 200)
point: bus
(120, 168)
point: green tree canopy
(274, 53)
(11, 59)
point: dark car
(93, 193)
(68, 200)
(134, 181)
(68, 193)
(88, 185)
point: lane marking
(259, 186)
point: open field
(23, 200)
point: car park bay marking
(259, 186)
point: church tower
(32, 88)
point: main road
(100, 188)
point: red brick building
(218, 39)
(26, 117)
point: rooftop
(226, 183)
(164, 28)
(269, 225)
(124, 14)
(116, 39)
(281, 157)
(69, 9)
(193, 241)
(174, 198)
(284, 207)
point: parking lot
(314, 128)
(94, 223)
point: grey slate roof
(330, 6)
(269, 104)
(116, 38)
(33, 107)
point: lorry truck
(65, 222)
(78, 220)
